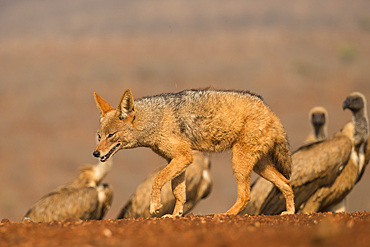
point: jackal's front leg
(174, 171)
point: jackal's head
(117, 129)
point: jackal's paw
(155, 207)
(168, 216)
(287, 213)
(171, 216)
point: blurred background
(297, 54)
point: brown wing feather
(326, 197)
(320, 160)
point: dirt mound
(328, 229)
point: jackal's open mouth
(105, 157)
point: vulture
(318, 117)
(84, 198)
(198, 186)
(323, 172)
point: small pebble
(5, 220)
(107, 233)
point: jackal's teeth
(105, 157)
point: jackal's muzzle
(105, 157)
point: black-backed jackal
(208, 120)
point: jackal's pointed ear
(126, 105)
(103, 105)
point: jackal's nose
(96, 154)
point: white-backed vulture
(318, 117)
(83, 198)
(198, 186)
(323, 173)
(333, 197)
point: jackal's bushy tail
(281, 157)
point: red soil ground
(317, 229)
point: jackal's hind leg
(266, 169)
(242, 167)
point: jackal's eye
(99, 137)
(111, 134)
